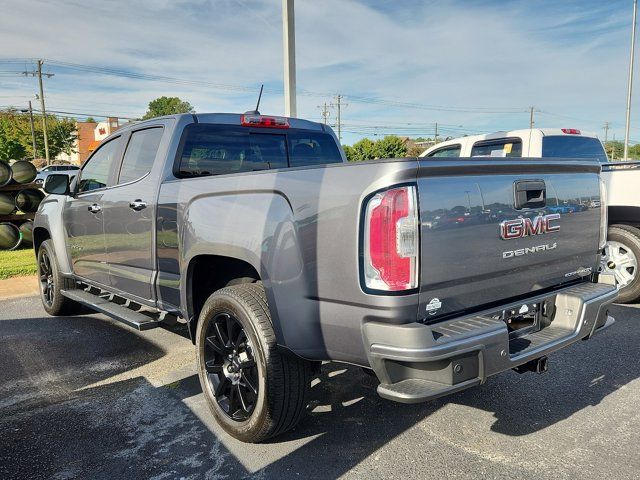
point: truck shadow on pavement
(66, 412)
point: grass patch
(17, 263)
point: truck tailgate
(464, 206)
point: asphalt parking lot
(84, 397)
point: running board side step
(125, 315)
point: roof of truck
(523, 132)
(233, 119)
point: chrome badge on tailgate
(528, 227)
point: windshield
(573, 147)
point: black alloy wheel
(230, 366)
(47, 284)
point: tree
(15, 135)
(614, 149)
(390, 146)
(90, 120)
(167, 106)
(362, 150)
(634, 151)
(11, 149)
(349, 152)
(415, 150)
(62, 137)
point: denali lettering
(526, 251)
(527, 227)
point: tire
(51, 282)
(231, 375)
(623, 245)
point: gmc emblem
(527, 227)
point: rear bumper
(416, 362)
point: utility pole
(606, 132)
(531, 121)
(44, 113)
(633, 44)
(338, 106)
(435, 136)
(289, 43)
(39, 74)
(325, 112)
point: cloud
(567, 58)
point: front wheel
(52, 282)
(620, 257)
(253, 390)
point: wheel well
(39, 235)
(208, 273)
(624, 216)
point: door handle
(530, 194)
(95, 208)
(138, 205)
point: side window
(218, 150)
(95, 173)
(504, 147)
(310, 148)
(140, 154)
(450, 151)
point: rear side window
(310, 148)
(95, 173)
(573, 147)
(140, 154)
(450, 151)
(506, 147)
(218, 150)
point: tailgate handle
(530, 194)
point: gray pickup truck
(277, 254)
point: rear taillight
(604, 220)
(391, 240)
(250, 120)
(571, 131)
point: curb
(17, 287)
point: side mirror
(57, 184)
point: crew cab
(621, 254)
(277, 254)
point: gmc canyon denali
(277, 254)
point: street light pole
(633, 44)
(289, 43)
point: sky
(401, 66)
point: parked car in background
(621, 255)
(43, 173)
(277, 254)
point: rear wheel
(52, 282)
(620, 257)
(253, 390)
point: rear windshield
(573, 147)
(220, 149)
